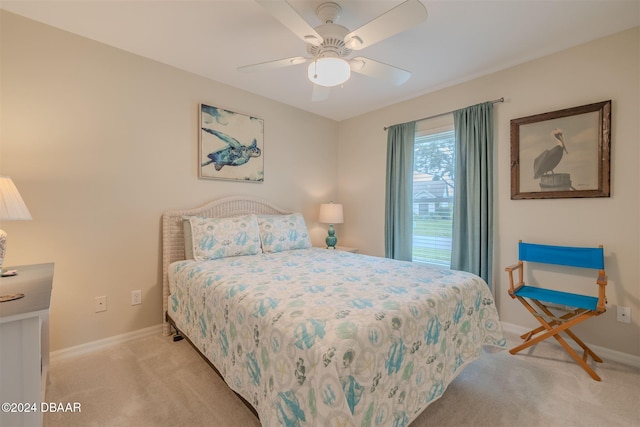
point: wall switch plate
(136, 297)
(624, 314)
(100, 304)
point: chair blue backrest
(562, 255)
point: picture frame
(230, 145)
(562, 154)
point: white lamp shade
(329, 71)
(11, 204)
(331, 213)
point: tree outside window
(433, 190)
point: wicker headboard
(173, 232)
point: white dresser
(24, 344)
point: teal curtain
(472, 247)
(398, 225)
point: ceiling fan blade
(270, 65)
(290, 18)
(397, 20)
(379, 70)
(320, 93)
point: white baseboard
(106, 342)
(605, 353)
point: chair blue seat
(558, 297)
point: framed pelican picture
(562, 154)
(231, 145)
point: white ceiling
(459, 40)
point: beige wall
(604, 69)
(100, 142)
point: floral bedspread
(316, 337)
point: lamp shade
(11, 204)
(331, 213)
(329, 71)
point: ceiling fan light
(329, 71)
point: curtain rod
(495, 101)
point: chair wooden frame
(540, 301)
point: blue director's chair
(541, 301)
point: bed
(315, 337)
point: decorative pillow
(224, 237)
(283, 232)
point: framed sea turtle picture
(562, 154)
(231, 145)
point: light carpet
(154, 382)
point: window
(433, 190)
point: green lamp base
(331, 239)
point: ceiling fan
(330, 45)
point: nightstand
(345, 249)
(24, 342)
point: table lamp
(331, 213)
(12, 207)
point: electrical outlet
(624, 314)
(100, 304)
(136, 297)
